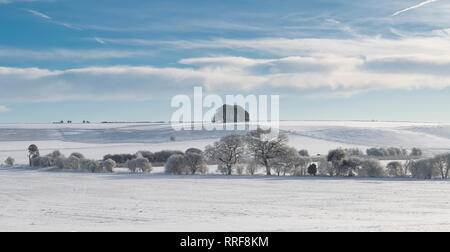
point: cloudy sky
(124, 60)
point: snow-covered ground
(96, 140)
(55, 201)
(38, 200)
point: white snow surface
(44, 200)
(33, 200)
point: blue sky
(124, 60)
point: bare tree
(265, 146)
(228, 152)
(301, 166)
(442, 162)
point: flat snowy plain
(43, 200)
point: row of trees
(239, 154)
(393, 152)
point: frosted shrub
(59, 162)
(371, 168)
(46, 161)
(10, 161)
(176, 165)
(141, 164)
(240, 169)
(325, 168)
(195, 162)
(72, 163)
(108, 165)
(35, 161)
(395, 169)
(90, 166)
(424, 169)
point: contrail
(415, 7)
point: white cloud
(414, 7)
(39, 14)
(4, 109)
(334, 66)
(335, 75)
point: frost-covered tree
(33, 152)
(46, 161)
(336, 157)
(140, 163)
(59, 162)
(239, 169)
(350, 166)
(396, 169)
(371, 168)
(416, 152)
(108, 165)
(303, 153)
(265, 146)
(286, 161)
(147, 154)
(442, 163)
(326, 168)
(194, 160)
(252, 167)
(92, 166)
(72, 163)
(425, 169)
(176, 165)
(10, 161)
(354, 152)
(228, 152)
(301, 167)
(312, 170)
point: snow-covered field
(52, 201)
(37, 200)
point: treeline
(257, 151)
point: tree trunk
(266, 164)
(230, 171)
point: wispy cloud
(414, 7)
(99, 40)
(39, 14)
(4, 109)
(50, 19)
